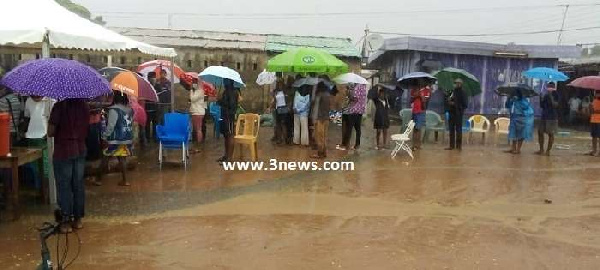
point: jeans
(301, 129)
(70, 186)
(352, 121)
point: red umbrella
(157, 66)
(588, 82)
(209, 89)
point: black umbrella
(511, 89)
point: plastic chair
(215, 112)
(402, 140)
(479, 124)
(174, 134)
(433, 124)
(501, 126)
(246, 133)
(465, 128)
(406, 116)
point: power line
(488, 34)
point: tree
(81, 11)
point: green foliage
(81, 11)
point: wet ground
(475, 209)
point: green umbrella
(305, 60)
(446, 78)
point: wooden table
(20, 156)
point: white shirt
(280, 99)
(574, 104)
(198, 104)
(38, 113)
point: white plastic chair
(501, 126)
(479, 124)
(402, 140)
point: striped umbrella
(158, 65)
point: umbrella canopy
(209, 89)
(305, 60)
(158, 65)
(139, 113)
(587, 82)
(56, 78)
(350, 78)
(129, 83)
(412, 78)
(26, 23)
(216, 74)
(446, 78)
(265, 78)
(546, 74)
(511, 89)
(311, 81)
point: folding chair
(175, 134)
(402, 140)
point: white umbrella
(350, 78)
(216, 74)
(266, 77)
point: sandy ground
(475, 209)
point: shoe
(65, 228)
(77, 224)
(341, 148)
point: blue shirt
(301, 104)
(549, 111)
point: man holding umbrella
(549, 122)
(456, 104)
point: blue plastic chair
(175, 134)
(215, 112)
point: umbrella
(446, 78)
(157, 65)
(139, 114)
(216, 74)
(414, 77)
(350, 78)
(209, 89)
(305, 60)
(56, 78)
(587, 82)
(511, 88)
(546, 74)
(265, 78)
(129, 83)
(311, 81)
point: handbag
(283, 110)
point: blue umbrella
(56, 78)
(546, 74)
(413, 77)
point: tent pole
(172, 84)
(50, 141)
(109, 60)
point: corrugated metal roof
(335, 46)
(473, 48)
(244, 41)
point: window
(139, 60)
(238, 66)
(37, 56)
(123, 60)
(189, 63)
(255, 66)
(20, 56)
(70, 57)
(53, 55)
(88, 58)
(222, 63)
(105, 59)
(205, 63)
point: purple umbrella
(56, 78)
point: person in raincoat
(521, 121)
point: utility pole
(562, 27)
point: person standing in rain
(68, 125)
(229, 105)
(381, 121)
(163, 90)
(301, 109)
(595, 124)
(118, 136)
(37, 110)
(549, 121)
(357, 97)
(320, 116)
(456, 104)
(420, 94)
(521, 121)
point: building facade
(493, 64)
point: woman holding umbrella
(521, 121)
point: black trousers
(352, 121)
(455, 125)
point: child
(381, 121)
(595, 124)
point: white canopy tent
(44, 24)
